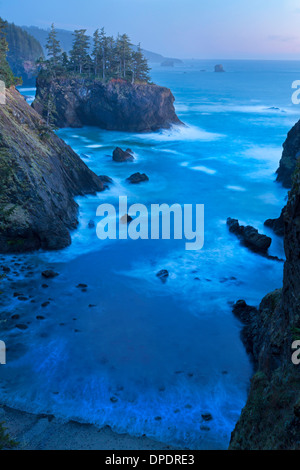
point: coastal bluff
(116, 105)
(290, 156)
(271, 417)
(40, 176)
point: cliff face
(40, 175)
(290, 155)
(271, 417)
(117, 105)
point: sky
(211, 29)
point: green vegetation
(109, 58)
(5, 441)
(6, 74)
(23, 52)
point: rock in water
(250, 236)
(40, 176)
(120, 155)
(126, 219)
(49, 274)
(116, 105)
(277, 225)
(105, 180)
(273, 401)
(163, 275)
(290, 156)
(137, 178)
(219, 68)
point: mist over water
(151, 358)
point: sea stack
(116, 105)
(219, 68)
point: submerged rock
(120, 155)
(163, 275)
(137, 178)
(49, 274)
(250, 236)
(116, 105)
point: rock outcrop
(277, 225)
(290, 156)
(271, 417)
(219, 68)
(40, 176)
(116, 105)
(137, 178)
(249, 236)
(121, 156)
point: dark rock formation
(40, 176)
(219, 68)
(120, 155)
(270, 419)
(277, 225)
(163, 275)
(126, 219)
(105, 180)
(250, 236)
(137, 178)
(290, 156)
(49, 274)
(117, 105)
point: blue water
(167, 352)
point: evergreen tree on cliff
(140, 68)
(6, 74)
(53, 47)
(125, 54)
(79, 54)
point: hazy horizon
(193, 30)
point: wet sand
(43, 432)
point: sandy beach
(45, 432)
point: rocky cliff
(117, 105)
(290, 156)
(271, 417)
(40, 175)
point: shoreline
(46, 432)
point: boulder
(249, 236)
(120, 155)
(49, 274)
(137, 178)
(219, 68)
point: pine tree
(140, 68)
(125, 52)
(53, 48)
(79, 54)
(96, 54)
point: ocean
(150, 358)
